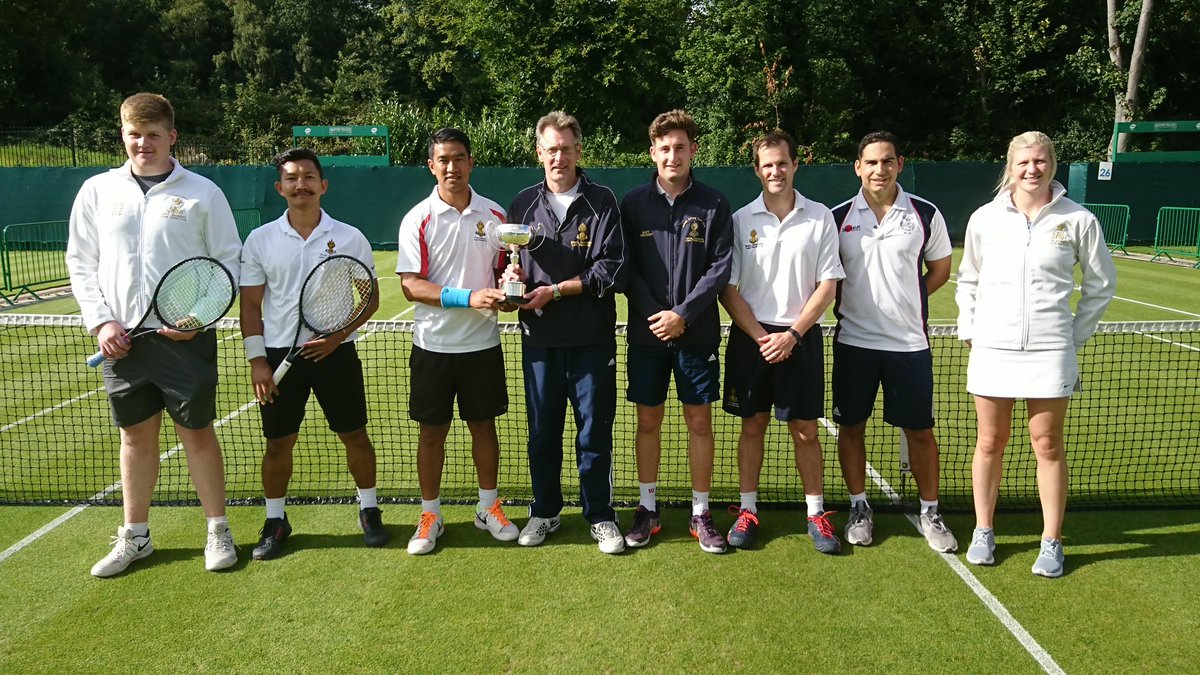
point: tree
(1127, 104)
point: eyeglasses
(564, 150)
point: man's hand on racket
(113, 340)
(262, 375)
(319, 348)
(177, 335)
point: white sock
(368, 498)
(275, 506)
(138, 529)
(487, 498)
(432, 506)
(218, 524)
(927, 507)
(750, 501)
(647, 490)
(699, 502)
(860, 498)
(816, 504)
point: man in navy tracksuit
(573, 268)
(679, 236)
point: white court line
(1145, 335)
(990, 601)
(49, 410)
(48, 527)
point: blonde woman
(1014, 290)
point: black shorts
(696, 367)
(907, 379)
(795, 387)
(337, 380)
(160, 373)
(475, 378)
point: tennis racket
(192, 295)
(334, 295)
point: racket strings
(194, 294)
(334, 296)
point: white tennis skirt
(1014, 373)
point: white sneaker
(609, 536)
(126, 549)
(429, 528)
(493, 520)
(220, 552)
(536, 530)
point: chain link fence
(69, 146)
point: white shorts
(1014, 373)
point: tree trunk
(1125, 105)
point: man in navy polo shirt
(895, 251)
(678, 233)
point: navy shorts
(795, 387)
(697, 374)
(475, 378)
(161, 373)
(337, 380)
(907, 379)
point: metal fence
(32, 256)
(1114, 221)
(1177, 233)
(69, 146)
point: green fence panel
(1114, 220)
(1178, 233)
(34, 256)
(247, 220)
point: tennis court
(479, 605)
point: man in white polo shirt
(448, 264)
(896, 251)
(785, 273)
(276, 260)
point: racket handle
(282, 370)
(95, 359)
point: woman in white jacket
(1014, 290)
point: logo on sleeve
(692, 225)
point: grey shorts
(159, 373)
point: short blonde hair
(561, 121)
(674, 120)
(146, 108)
(1029, 139)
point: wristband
(455, 297)
(556, 291)
(256, 347)
(795, 334)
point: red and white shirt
(458, 250)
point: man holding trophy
(573, 267)
(449, 264)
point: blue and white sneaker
(983, 547)
(1049, 562)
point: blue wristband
(456, 297)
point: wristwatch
(795, 334)
(556, 291)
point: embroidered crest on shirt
(1060, 235)
(581, 239)
(174, 210)
(692, 225)
(753, 240)
(480, 231)
(851, 228)
(329, 247)
(908, 224)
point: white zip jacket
(1016, 277)
(121, 241)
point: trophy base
(516, 299)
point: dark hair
(297, 155)
(878, 137)
(772, 139)
(449, 135)
(674, 120)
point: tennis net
(1131, 435)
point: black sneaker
(702, 528)
(821, 530)
(741, 535)
(274, 532)
(645, 523)
(371, 520)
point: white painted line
(48, 527)
(1145, 335)
(990, 601)
(49, 410)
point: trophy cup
(513, 236)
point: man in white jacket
(128, 227)
(1014, 290)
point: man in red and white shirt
(448, 263)
(895, 250)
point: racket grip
(281, 370)
(95, 359)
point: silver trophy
(513, 237)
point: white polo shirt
(458, 250)
(882, 304)
(777, 265)
(276, 255)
